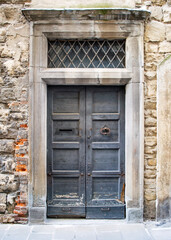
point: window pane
(86, 54)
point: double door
(85, 155)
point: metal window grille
(86, 54)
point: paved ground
(89, 230)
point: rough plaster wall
(157, 46)
(164, 140)
(14, 44)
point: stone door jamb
(131, 76)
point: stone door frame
(131, 76)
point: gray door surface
(86, 152)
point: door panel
(104, 152)
(66, 151)
(86, 152)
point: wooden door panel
(105, 152)
(97, 127)
(62, 159)
(94, 168)
(66, 152)
(105, 159)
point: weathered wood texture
(86, 165)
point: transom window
(86, 54)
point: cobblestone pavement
(89, 230)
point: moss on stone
(167, 58)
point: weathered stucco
(164, 140)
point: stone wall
(157, 46)
(14, 58)
(14, 62)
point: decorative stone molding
(86, 14)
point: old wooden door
(86, 157)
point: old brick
(155, 31)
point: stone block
(2, 208)
(156, 13)
(150, 75)
(150, 209)
(21, 30)
(4, 114)
(167, 14)
(7, 94)
(150, 141)
(154, 31)
(11, 202)
(151, 89)
(3, 130)
(150, 131)
(8, 183)
(14, 68)
(37, 215)
(152, 162)
(165, 47)
(6, 146)
(150, 174)
(3, 198)
(151, 47)
(150, 195)
(7, 164)
(2, 35)
(168, 32)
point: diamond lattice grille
(86, 54)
